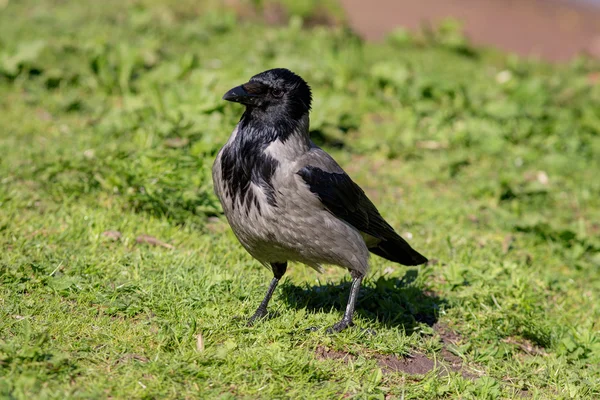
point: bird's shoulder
(329, 182)
(316, 157)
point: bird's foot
(340, 326)
(258, 315)
(368, 332)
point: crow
(286, 199)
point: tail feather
(398, 250)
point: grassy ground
(111, 115)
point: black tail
(398, 250)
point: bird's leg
(278, 271)
(346, 321)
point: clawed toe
(258, 315)
(340, 326)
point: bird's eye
(277, 93)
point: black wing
(347, 201)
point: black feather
(347, 201)
(244, 162)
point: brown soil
(415, 364)
(447, 335)
(552, 29)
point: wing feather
(347, 201)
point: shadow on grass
(388, 301)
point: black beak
(250, 93)
(239, 95)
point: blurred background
(551, 29)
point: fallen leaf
(431, 145)
(151, 240)
(542, 178)
(200, 342)
(113, 235)
(176, 143)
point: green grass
(110, 117)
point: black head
(277, 91)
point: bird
(287, 200)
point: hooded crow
(288, 200)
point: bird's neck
(264, 130)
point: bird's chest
(246, 187)
(257, 185)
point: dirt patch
(416, 364)
(447, 335)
